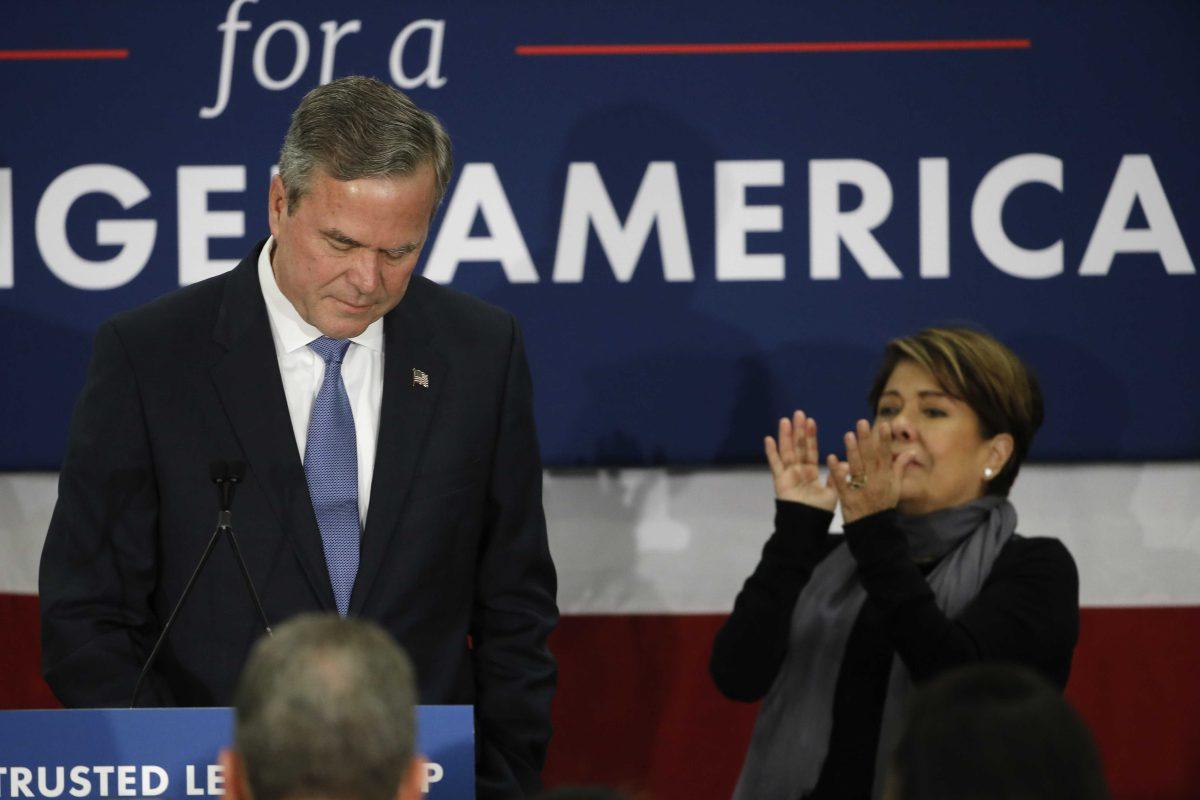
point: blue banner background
(176, 738)
(651, 371)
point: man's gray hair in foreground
(357, 127)
(325, 709)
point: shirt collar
(292, 329)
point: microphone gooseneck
(226, 475)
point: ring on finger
(857, 481)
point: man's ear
(1000, 450)
(234, 768)
(412, 785)
(276, 204)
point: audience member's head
(994, 732)
(581, 793)
(325, 711)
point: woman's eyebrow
(922, 393)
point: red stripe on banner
(770, 47)
(635, 707)
(61, 55)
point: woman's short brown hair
(975, 368)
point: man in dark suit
(387, 427)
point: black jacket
(454, 556)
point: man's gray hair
(358, 127)
(325, 709)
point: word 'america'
(658, 206)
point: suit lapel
(406, 410)
(247, 381)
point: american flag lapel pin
(420, 378)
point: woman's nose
(902, 427)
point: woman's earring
(987, 473)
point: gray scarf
(791, 734)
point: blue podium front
(171, 753)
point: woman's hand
(794, 465)
(868, 481)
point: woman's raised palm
(795, 467)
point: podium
(171, 753)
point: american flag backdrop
(650, 560)
(704, 215)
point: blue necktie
(331, 467)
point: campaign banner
(704, 215)
(171, 753)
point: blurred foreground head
(994, 732)
(582, 793)
(325, 711)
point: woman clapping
(832, 631)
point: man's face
(346, 252)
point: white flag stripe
(669, 541)
(26, 502)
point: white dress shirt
(303, 371)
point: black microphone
(226, 475)
(218, 473)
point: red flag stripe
(663, 728)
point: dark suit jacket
(454, 556)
